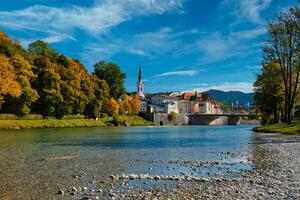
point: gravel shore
(274, 174)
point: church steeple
(140, 74)
(140, 85)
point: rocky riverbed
(274, 174)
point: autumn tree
(9, 86)
(76, 86)
(114, 77)
(21, 105)
(112, 107)
(135, 104)
(283, 47)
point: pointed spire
(140, 74)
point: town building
(198, 103)
(162, 103)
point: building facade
(164, 103)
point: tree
(48, 86)
(268, 97)
(8, 83)
(172, 117)
(21, 105)
(114, 77)
(135, 104)
(39, 47)
(112, 107)
(283, 47)
(99, 98)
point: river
(92, 155)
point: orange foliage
(8, 83)
(135, 104)
(4, 37)
(112, 107)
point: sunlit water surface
(101, 152)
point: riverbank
(71, 123)
(293, 128)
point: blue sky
(181, 45)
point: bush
(118, 120)
(8, 117)
(103, 115)
(73, 117)
(172, 116)
(32, 117)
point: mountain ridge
(230, 97)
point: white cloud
(100, 17)
(247, 10)
(250, 34)
(246, 87)
(178, 73)
(148, 44)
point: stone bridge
(161, 119)
(217, 119)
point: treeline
(277, 86)
(40, 80)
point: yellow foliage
(112, 107)
(135, 104)
(8, 83)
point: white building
(164, 103)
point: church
(140, 92)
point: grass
(132, 120)
(69, 123)
(50, 123)
(135, 120)
(293, 128)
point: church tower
(140, 85)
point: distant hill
(231, 97)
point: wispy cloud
(100, 17)
(246, 87)
(250, 34)
(148, 44)
(247, 10)
(178, 73)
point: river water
(101, 152)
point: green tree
(114, 77)
(39, 47)
(99, 98)
(268, 98)
(47, 84)
(283, 47)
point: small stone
(72, 193)
(76, 176)
(61, 192)
(73, 189)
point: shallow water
(101, 152)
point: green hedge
(32, 117)
(25, 117)
(8, 117)
(73, 117)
